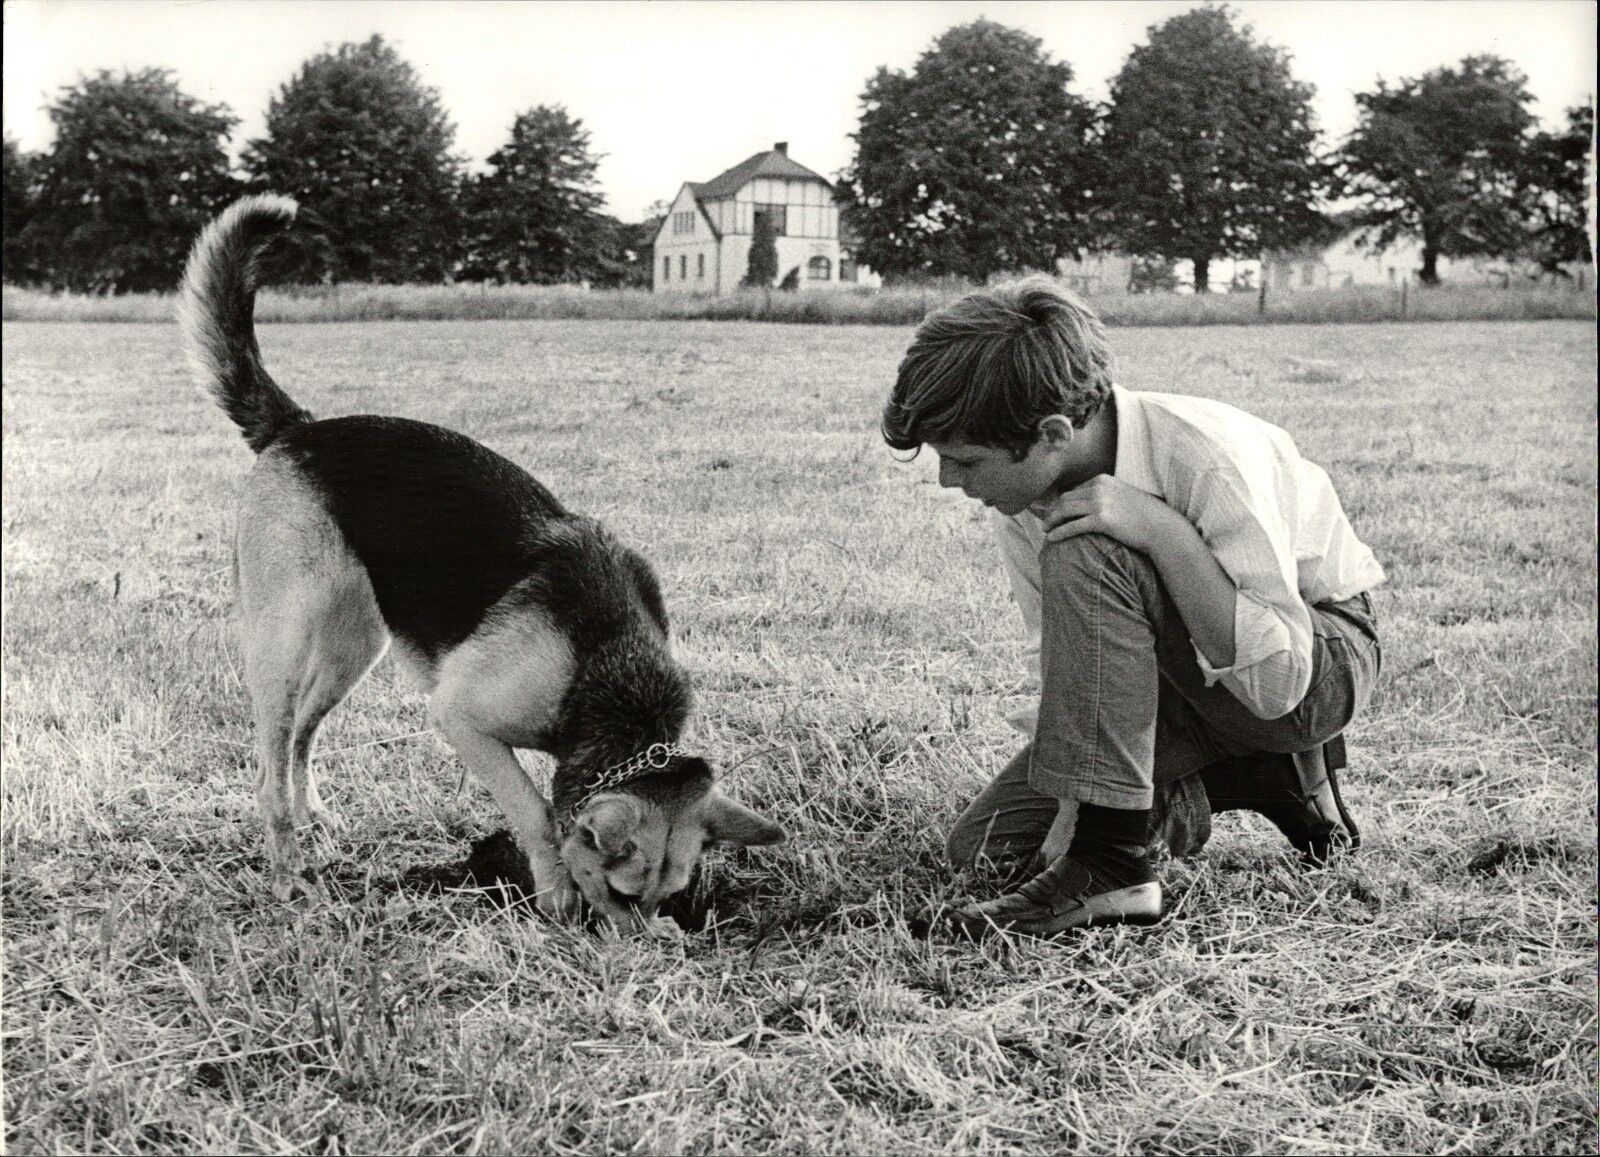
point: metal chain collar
(653, 758)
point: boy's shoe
(1298, 793)
(1067, 894)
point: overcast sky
(674, 91)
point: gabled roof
(772, 163)
(698, 207)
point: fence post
(1261, 298)
(1404, 285)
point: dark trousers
(1125, 717)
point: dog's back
(443, 526)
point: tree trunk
(1430, 264)
(1202, 274)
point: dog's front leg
(493, 762)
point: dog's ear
(608, 825)
(729, 822)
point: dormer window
(683, 222)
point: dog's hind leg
(311, 630)
(350, 639)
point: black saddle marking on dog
(446, 528)
(441, 523)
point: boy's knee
(1091, 556)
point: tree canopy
(1210, 146)
(136, 169)
(535, 216)
(20, 196)
(1442, 158)
(976, 163)
(365, 147)
(1557, 171)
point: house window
(699, 264)
(683, 222)
(1308, 274)
(818, 268)
(683, 267)
(777, 216)
(666, 269)
(847, 269)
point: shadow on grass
(721, 892)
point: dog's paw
(287, 885)
(662, 928)
(319, 817)
(558, 897)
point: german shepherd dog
(529, 626)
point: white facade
(703, 245)
(1097, 274)
(1345, 264)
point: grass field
(851, 638)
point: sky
(679, 90)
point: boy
(1196, 596)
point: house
(703, 245)
(1345, 262)
(1097, 274)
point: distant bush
(892, 306)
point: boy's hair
(989, 368)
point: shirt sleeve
(1236, 514)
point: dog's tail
(216, 313)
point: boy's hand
(1107, 505)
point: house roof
(772, 163)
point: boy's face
(989, 474)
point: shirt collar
(1134, 450)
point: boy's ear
(608, 823)
(1055, 430)
(728, 821)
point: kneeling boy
(1196, 595)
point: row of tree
(138, 166)
(982, 160)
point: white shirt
(1271, 518)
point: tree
(20, 194)
(365, 148)
(136, 169)
(763, 266)
(633, 252)
(975, 164)
(1556, 171)
(636, 246)
(1153, 275)
(535, 215)
(1440, 158)
(1209, 146)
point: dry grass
(894, 306)
(847, 622)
